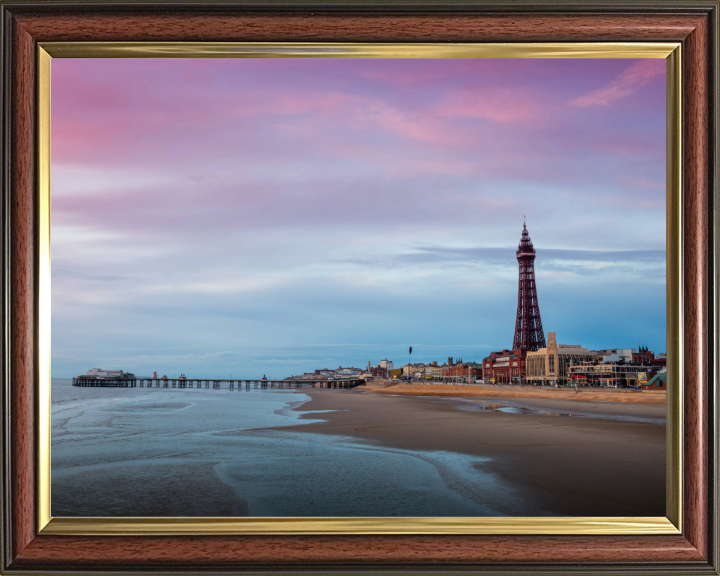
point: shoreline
(568, 464)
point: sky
(249, 217)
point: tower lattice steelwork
(529, 334)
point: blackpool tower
(528, 326)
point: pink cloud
(268, 132)
(633, 78)
(425, 74)
(497, 104)
(643, 183)
(362, 113)
(627, 146)
(412, 168)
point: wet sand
(617, 410)
(144, 488)
(569, 465)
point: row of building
(569, 364)
(553, 365)
(382, 370)
(453, 369)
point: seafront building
(615, 374)
(618, 367)
(463, 372)
(646, 357)
(452, 371)
(432, 368)
(381, 370)
(348, 371)
(386, 364)
(416, 370)
(550, 365)
(377, 372)
(657, 383)
(321, 372)
(505, 367)
(616, 355)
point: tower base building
(550, 365)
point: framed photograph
(360, 287)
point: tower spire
(529, 334)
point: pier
(215, 384)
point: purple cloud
(631, 79)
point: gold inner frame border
(671, 524)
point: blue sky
(248, 217)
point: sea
(217, 453)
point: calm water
(190, 452)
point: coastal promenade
(505, 391)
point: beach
(334, 452)
(572, 457)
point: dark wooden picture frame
(693, 23)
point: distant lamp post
(409, 364)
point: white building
(387, 364)
(616, 354)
